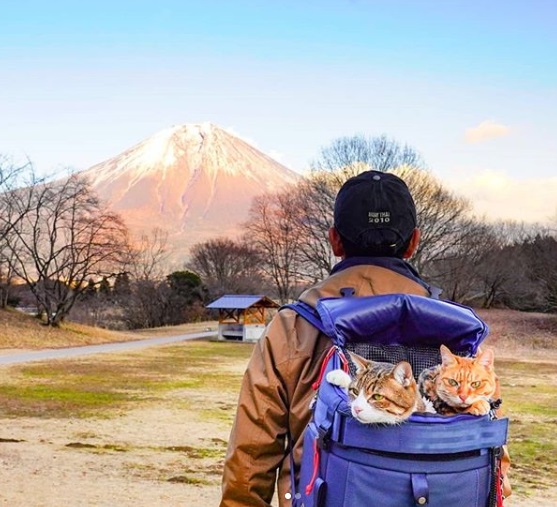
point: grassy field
(201, 379)
(95, 386)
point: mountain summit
(195, 181)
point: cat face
(464, 381)
(382, 393)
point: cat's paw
(339, 378)
(480, 407)
(428, 407)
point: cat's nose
(357, 409)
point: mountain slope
(195, 181)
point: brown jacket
(276, 390)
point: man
(374, 231)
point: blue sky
(471, 84)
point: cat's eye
(452, 382)
(378, 397)
(353, 390)
(476, 384)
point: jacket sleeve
(257, 442)
(274, 400)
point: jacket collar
(394, 264)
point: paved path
(41, 355)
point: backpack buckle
(323, 437)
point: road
(42, 355)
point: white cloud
(485, 131)
(498, 196)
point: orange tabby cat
(460, 384)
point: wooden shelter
(242, 317)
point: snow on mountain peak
(158, 149)
(191, 147)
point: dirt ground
(141, 458)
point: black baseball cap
(375, 210)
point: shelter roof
(241, 302)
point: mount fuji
(194, 181)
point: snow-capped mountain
(195, 181)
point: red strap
(315, 386)
(499, 486)
(309, 487)
(342, 358)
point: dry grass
(525, 347)
(194, 327)
(522, 335)
(21, 331)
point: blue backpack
(429, 460)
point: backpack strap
(307, 312)
(311, 314)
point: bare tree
(458, 270)
(448, 229)
(451, 241)
(541, 254)
(445, 219)
(380, 153)
(314, 199)
(271, 228)
(14, 206)
(148, 256)
(64, 238)
(7, 277)
(227, 266)
(500, 271)
(146, 294)
(148, 305)
(13, 203)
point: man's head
(374, 215)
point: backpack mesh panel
(419, 357)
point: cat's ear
(360, 362)
(403, 373)
(485, 358)
(447, 357)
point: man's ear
(413, 245)
(336, 242)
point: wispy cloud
(485, 131)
